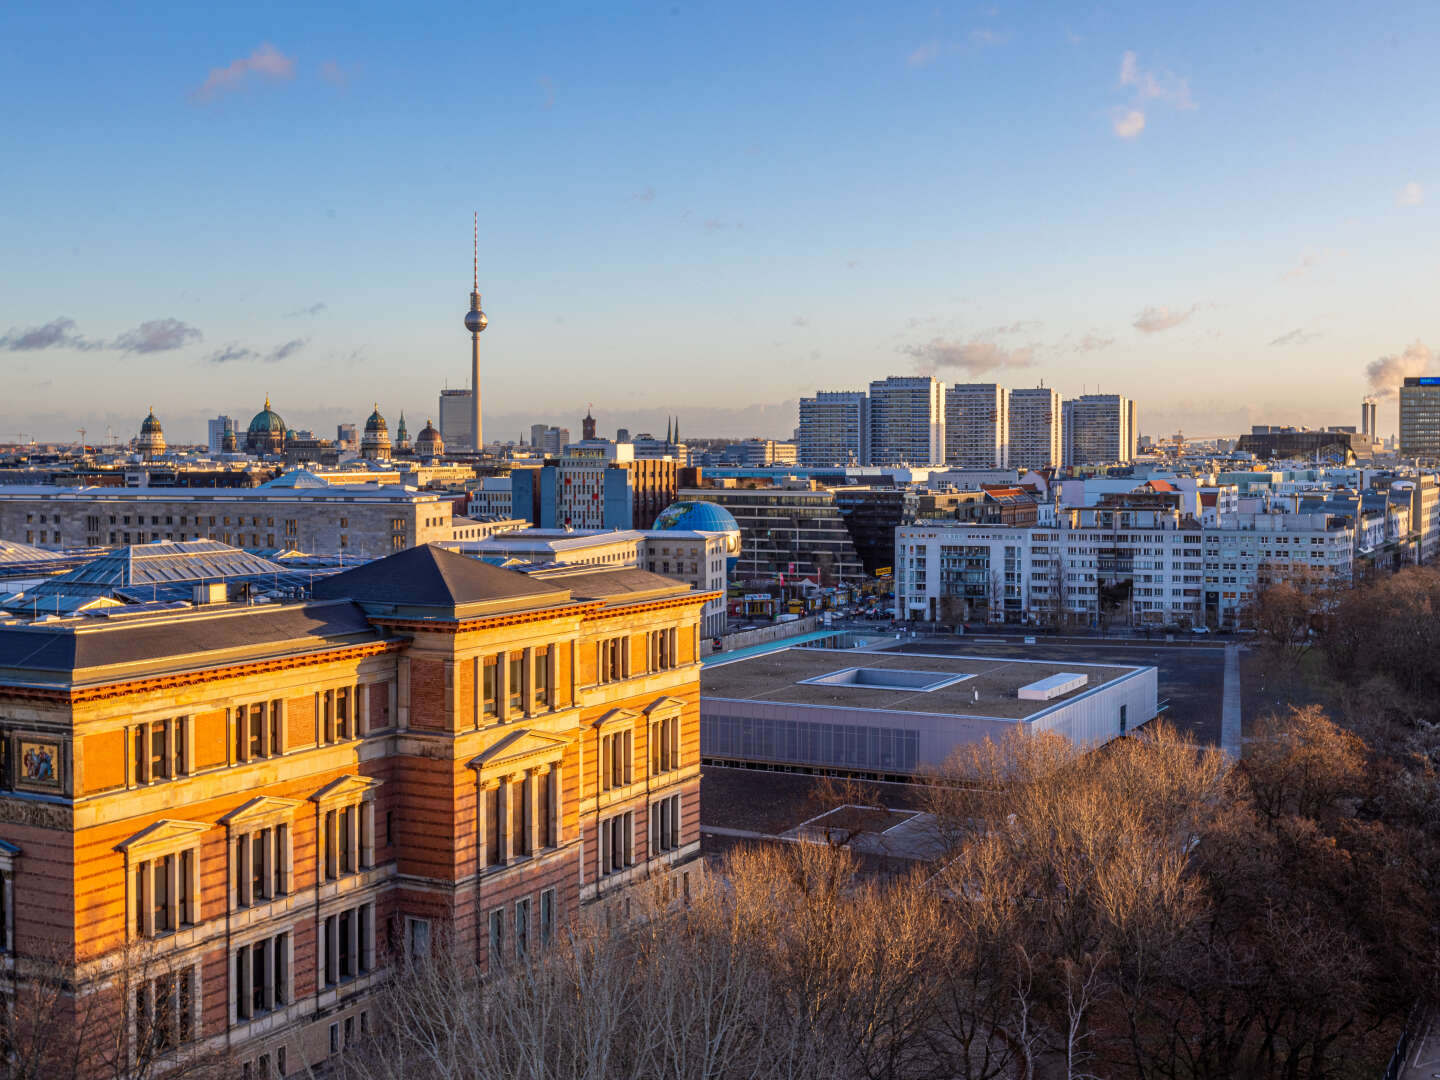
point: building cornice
(74, 695)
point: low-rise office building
(891, 715)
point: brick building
(276, 802)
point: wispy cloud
(972, 357)
(57, 334)
(1155, 319)
(157, 335)
(265, 63)
(1388, 373)
(1297, 337)
(985, 37)
(313, 309)
(335, 75)
(645, 196)
(926, 54)
(1412, 194)
(799, 320)
(1093, 343)
(1150, 86)
(719, 225)
(1303, 267)
(548, 86)
(1127, 123)
(237, 353)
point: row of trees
(1141, 912)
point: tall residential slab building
(977, 425)
(1420, 417)
(1098, 429)
(1035, 428)
(834, 429)
(907, 420)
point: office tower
(1367, 418)
(977, 425)
(600, 486)
(1134, 425)
(455, 419)
(475, 322)
(622, 434)
(347, 436)
(907, 420)
(217, 429)
(1096, 429)
(537, 434)
(1035, 423)
(1420, 417)
(547, 439)
(834, 429)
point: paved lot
(1191, 676)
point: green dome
(267, 422)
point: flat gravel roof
(777, 677)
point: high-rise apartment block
(1420, 417)
(1367, 419)
(977, 426)
(834, 429)
(226, 827)
(907, 420)
(1099, 429)
(1035, 428)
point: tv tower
(475, 322)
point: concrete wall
(778, 631)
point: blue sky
(711, 210)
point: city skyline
(231, 203)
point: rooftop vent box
(1055, 686)
(210, 592)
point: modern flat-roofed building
(1098, 429)
(907, 420)
(270, 807)
(599, 485)
(1035, 428)
(456, 424)
(834, 429)
(977, 425)
(789, 531)
(1420, 417)
(890, 715)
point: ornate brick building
(273, 803)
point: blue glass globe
(695, 515)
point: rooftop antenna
(477, 251)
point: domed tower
(402, 437)
(151, 442)
(375, 443)
(227, 441)
(428, 444)
(266, 433)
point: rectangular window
(615, 759)
(417, 939)
(492, 826)
(497, 937)
(158, 750)
(522, 928)
(617, 842)
(515, 678)
(261, 865)
(489, 668)
(665, 825)
(262, 976)
(547, 916)
(542, 677)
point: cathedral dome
(376, 422)
(150, 425)
(429, 443)
(267, 422)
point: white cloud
(1155, 319)
(1093, 343)
(925, 54)
(157, 335)
(1166, 86)
(1297, 337)
(266, 62)
(1127, 123)
(1412, 194)
(972, 357)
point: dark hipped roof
(80, 650)
(431, 577)
(614, 585)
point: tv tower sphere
(475, 321)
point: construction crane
(82, 439)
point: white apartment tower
(977, 426)
(834, 429)
(907, 420)
(1035, 428)
(1098, 429)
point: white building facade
(977, 425)
(907, 420)
(1035, 416)
(834, 429)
